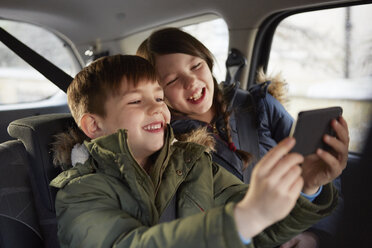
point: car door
(324, 55)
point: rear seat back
(19, 226)
(36, 134)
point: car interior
(45, 43)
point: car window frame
(264, 38)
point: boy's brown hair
(89, 91)
(93, 85)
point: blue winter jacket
(270, 123)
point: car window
(19, 82)
(215, 36)
(326, 58)
(210, 29)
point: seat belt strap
(246, 116)
(60, 78)
(247, 129)
(235, 62)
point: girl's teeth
(152, 127)
(196, 96)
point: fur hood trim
(199, 136)
(79, 154)
(63, 145)
(278, 87)
(66, 151)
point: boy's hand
(275, 186)
(321, 168)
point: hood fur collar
(63, 144)
(277, 88)
(67, 147)
(199, 136)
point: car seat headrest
(36, 133)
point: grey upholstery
(36, 134)
(19, 226)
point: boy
(134, 186)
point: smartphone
(311, 126)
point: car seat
(19, 226)
(36, 134)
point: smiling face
(188, 84)
(142, 111)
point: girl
(244, 125)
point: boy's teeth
(152, 127)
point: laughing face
(188, 84)
(142, 111)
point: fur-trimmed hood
(67, 147)
(278, 87)
(199, 136)
(63, 145)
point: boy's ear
(90, 124)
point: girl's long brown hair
(174, 40)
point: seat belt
(246, 116)
(235, 62)
(246, 124)
(53, 73)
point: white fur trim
(79, 154)
(173, 141)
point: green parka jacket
(110, 201)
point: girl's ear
(90, 124)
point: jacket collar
(113, 156)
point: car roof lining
(128, 17)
